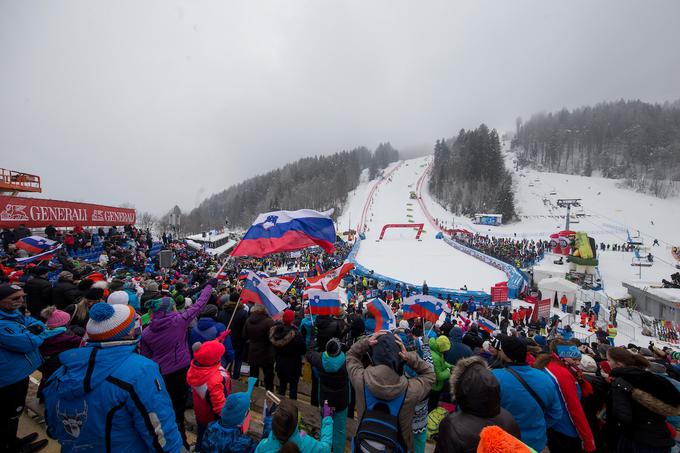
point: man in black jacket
(38, 291)
(237, 340)
(65, 292)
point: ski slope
(610, 212)
(399, 255)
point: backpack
(378, 430)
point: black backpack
(378, 430)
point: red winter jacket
(567, 387)
(209, 390)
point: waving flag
(35, 244)
(384, 317)
(46, 255)
(244, 274)
(280, 284)
(486, 324)
(284, 231)
(323, 303)
(318, 266)
(257, 291)
(331, 279)
(424, 306)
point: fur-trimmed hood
(281, 335)
(475, 388)
(654, 392)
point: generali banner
(35, 213)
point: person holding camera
(20, 339)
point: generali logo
(14, 212)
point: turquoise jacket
(19, 353)
(306, 443)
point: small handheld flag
(323, 303)
(427, 307)
(384, 317)
(257, 291)
(486, 324)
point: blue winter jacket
(533, 423)
(207, 329)
(458, 349)
(19, 353)
(107, 398)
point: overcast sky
(161, 102)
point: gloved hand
(327, 410)
(213, 282)
(53, 332)
(36, 329)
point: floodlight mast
(568, 203)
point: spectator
(384, 379)
(65, 292)
(20, 338)
(38, 291)
(55, 345)
(107, 397)
(285, 433)
(478, 398)
(260, 350)
(290, 348)
(165, 342)
(533, 414)
(237, 324)
(458, 349)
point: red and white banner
(36, 212)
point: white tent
(551, 287)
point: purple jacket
(165, 339)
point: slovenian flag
(285, 231)
(35, 244)
(331, 279)
(257, 291)
(245, 272)
(44, 256)
(384, 317)
(323, 303)
(424, 306)
(486, 324)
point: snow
(399, 255)
(211, 236)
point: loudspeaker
(165, 258)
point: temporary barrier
(479, 297)
(35, 213)
(420, 227)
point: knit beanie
(209, 353)
(288, 317)
(588, 364)
(237, 405)
(118, 298)
(109, 322)
(7, 289)
(443, 343)
(403, 324)
(65, 276)
(55, 317)
(209, 311)
(493, 439)
(540, 340)
(163, 304)
(514, 349)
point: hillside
(320, 182)
(633, 140)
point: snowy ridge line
(517, 281)
(369, 198)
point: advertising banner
(36, 213)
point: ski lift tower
(12, 182)
(568, 203)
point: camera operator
(20, 338)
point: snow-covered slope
(399, 255)
(609, 211)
